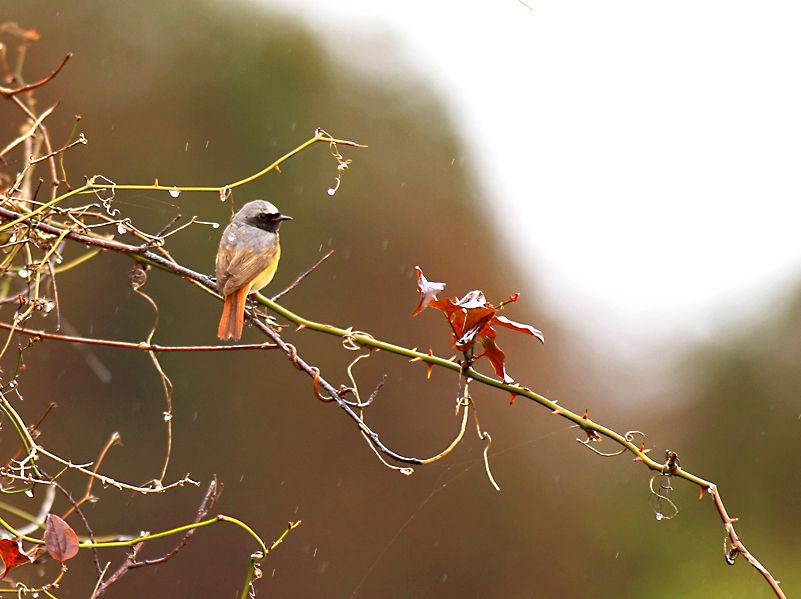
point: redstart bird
(246, 261)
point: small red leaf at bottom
(61, 541)
(11, 555)
(701, 494)
(512, 398)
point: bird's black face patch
(266, 221)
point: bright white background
(643, 156)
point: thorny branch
(594, 429)
(29, 226)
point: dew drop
(659, 516)
(331, 191)
(175, 193)
(215, 225)
(28, 493)
(120, 229)
(24, 273)
(167, 416)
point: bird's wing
(241, 258)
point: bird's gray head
(260, 214)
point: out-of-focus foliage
(204, 93)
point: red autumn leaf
(472, 320)
(11, 555)
(496, 357)
(428, 291)
(516, 326)
(473, 299)
(61, 541)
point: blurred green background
(204, 93)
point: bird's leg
(255, 311)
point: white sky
(644, 156)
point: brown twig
(206, 505)
(80, 141)
(101, 588)
(48, 145)
(87, 495)
(738, 547)
(75, 507)
(8, 93)
(303, 275)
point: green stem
(15, 533)
(92, 187)
(178, 530)
(368, 341)
(254, 562)
(24, 437)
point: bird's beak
(283, 217)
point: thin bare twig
(738, 547)
(6, 92)
(302, 276)
(206, 505)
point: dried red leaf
(701, 494)
(512, 398)
(472, 320)
(473, 299)
(496, 357)
(516, 326)
(61, 541)
(11, 555)
(428, 291)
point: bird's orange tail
(233, 315)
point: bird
(247, 259)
